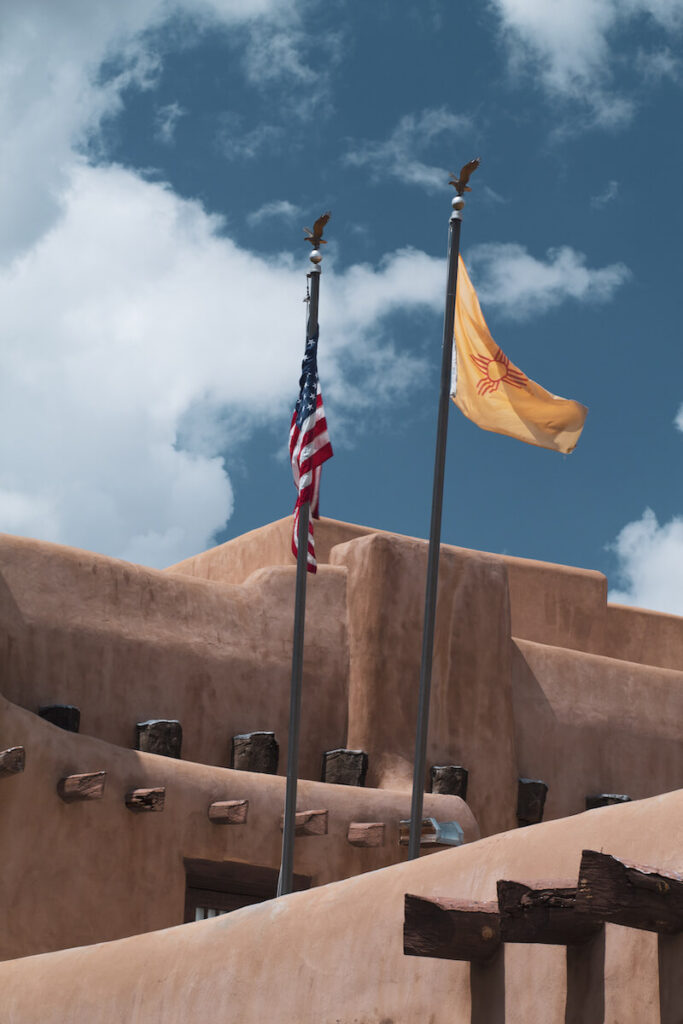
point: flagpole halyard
(419, 763)
(286, 876)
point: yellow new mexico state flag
(494, 394)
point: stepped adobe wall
(552, 604)
(526, 679)
(535, 676)
(336, 954)
(94, 870)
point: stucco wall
(471, 711)
(335, 954)
(126, 644)
(560, 605)
(235, 560)
(80, 873)
(651, 638)
(586, 724)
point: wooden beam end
(229, 812)
(87, 786)
(366, 833)
(309, 823)
(12, 761)
(146, 799)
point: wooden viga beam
(543, 912)
(12, 761)
(450, 929)
(629, 894)
(87, 786)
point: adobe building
(143, 731)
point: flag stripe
(309, 446)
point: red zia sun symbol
(496, 371)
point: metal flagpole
(437, 504)
(284, 884)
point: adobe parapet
(535, 675)
(552, 604)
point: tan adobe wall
(471, 712)
(553, 604)
(235, 560)
(126, 643)
(336, 954)
(651, 638)
(81, 873)
(587, 724)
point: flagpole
(285, 879)
(419, 765)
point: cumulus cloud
(130, 321)
(509, 278)
(397, 157)
(127, 332)
(63, 68)
(650, 564)
(568, 46)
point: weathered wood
(64, 716)
(366, 833)
(450, 929)
(450, 779)
(12, 761)
(229, 812)
(160, 736)
(146, 799)
(542, 912)
(309, 823)
(531, 794)
(345, 767)
(630, 894)
(88, 786)
(606, 800)
(255, 752)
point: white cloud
(54, 94)
(608, 194)
(277, 208)
(133, 340)
(130, 322)
(165, 122)
(679, 418)
(650, 564)
(397, 157)
(518, 284)
(568, 46)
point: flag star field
(159, 163)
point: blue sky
(160, 160)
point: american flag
(309, 444)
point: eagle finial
(315, 237)
(460, 183)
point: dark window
(217, 887)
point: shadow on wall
(670, 956)
(586, 981)
(487, 989)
